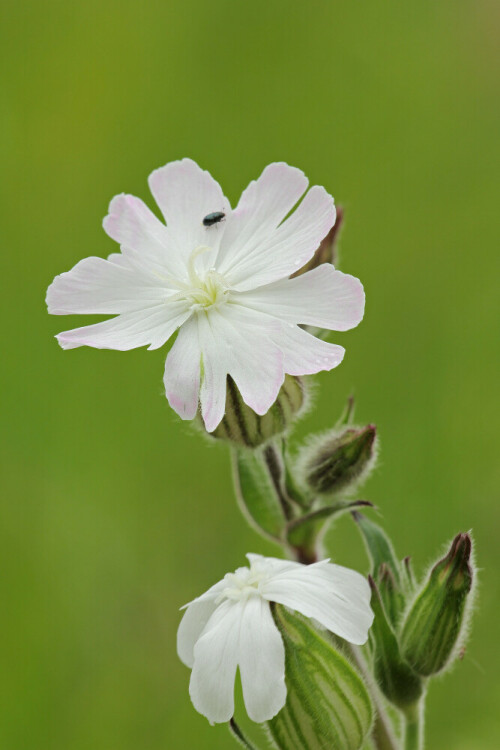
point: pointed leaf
(256, 492)
(378, 546)
(396, 678)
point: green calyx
(242, 427)
(327, 704)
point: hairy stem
(414, 727)
(275, 468)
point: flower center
(242, 584)
(206, 288)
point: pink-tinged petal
(185, 194)
(182, 371)
(215, 661)
(215, 369)
(145, 241)
(304, 354)
(101, 286)
(258, 378)
(336, 597)
(322, 297)
(289, 247)
(261, 661)
(230, 340)
(262, 207)
(119, 260)
(153, 326)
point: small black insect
(213, 218)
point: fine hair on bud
(338, 460)
(436, 622)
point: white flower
(225, 287)
(231, 626)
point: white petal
(270, 564)
(262, 207)
(261, 661)
(215, 661)
(285, 250)
(230, 339)
(336, 597)
(182, 371)
(185, 194)
(153, 326)
(191, 627)
(304, 354)
(215, 368)
(322, 297)
(142, 236)
(101, 286)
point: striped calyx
(242, 426)
(327, 703)
(436, 621)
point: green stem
(414, 727)
(383, 737)
(275, 468)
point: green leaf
(256, 492)
(378, 546)
(327, 704)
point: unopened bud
(242, 426)
(341, 459)
(327, 251)
(327, 702)
(437, 618)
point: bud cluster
(417, 629)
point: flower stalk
(414, 727)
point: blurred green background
(113, 513)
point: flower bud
(341, 459)
(327, 251)
(327, 702)
(437, 618)
(242, 426)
